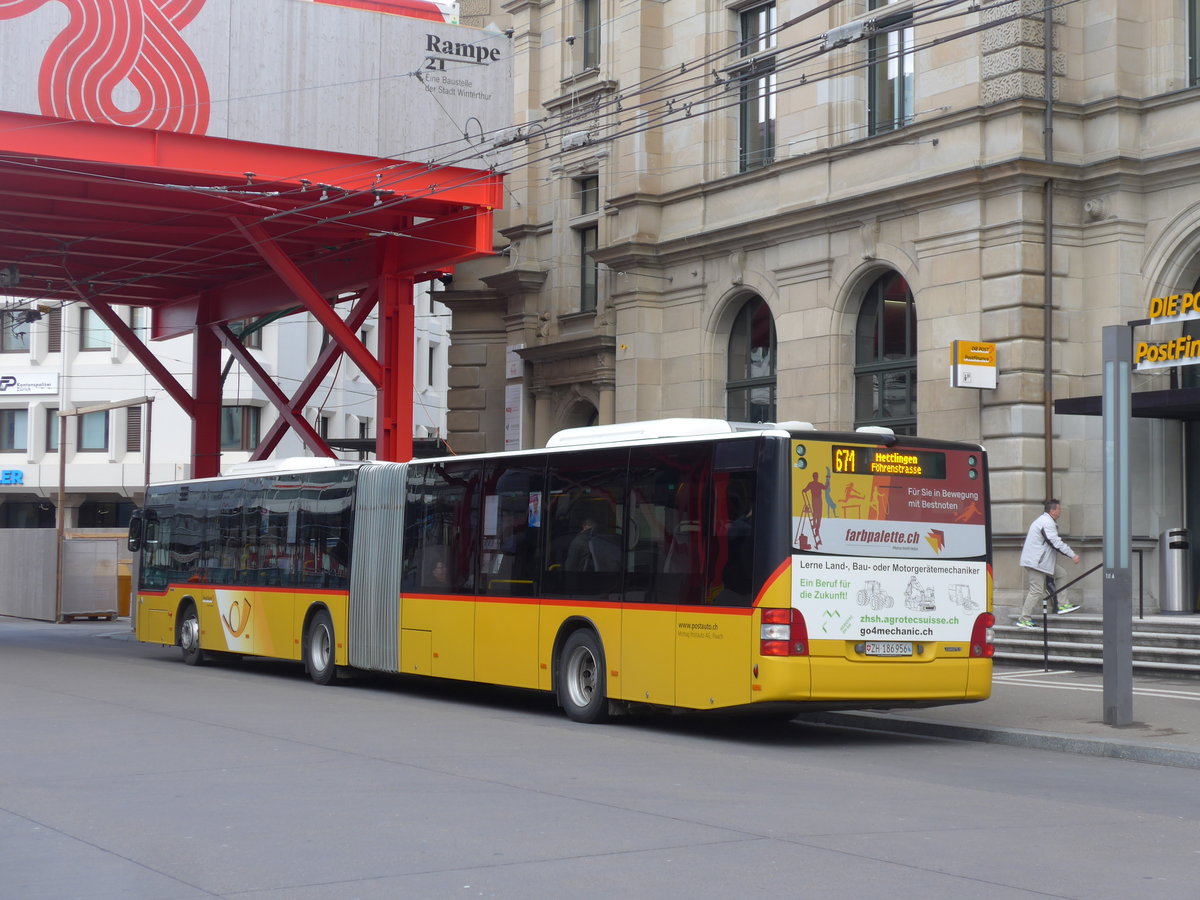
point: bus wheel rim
(320, 647)
(189, 633)
(581, 682)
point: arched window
(885, 364)
(750, 384)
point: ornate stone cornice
(595, 346)
(516, 280)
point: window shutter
(133, 429)
(54, 324)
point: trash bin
(1174, 574)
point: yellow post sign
(972, 364)
(1183, 350)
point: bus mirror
(136, 523)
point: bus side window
(585, 520)
(667, 491)
(441, 516)
(324, 521)
(510, 560)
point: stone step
(1164, 645)
(1149, 639)
(1139, 665)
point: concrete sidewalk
(1061, 710)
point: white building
(54, 358)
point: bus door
(688, 576)
(506, 614)
(437, 609)
(714, 617)
(255, 557)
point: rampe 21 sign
(1183, 350)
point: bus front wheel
(319, 649)
(581, 682)
(189, 636)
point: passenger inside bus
(591, 551)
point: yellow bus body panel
(506, 642)
(647, 659)
(941, 678)
(713, 664)
(604, 618)
(156, 618)
(450, 622)
(252, 622)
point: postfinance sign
(1178, 351)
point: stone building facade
(791, 210)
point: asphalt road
(125, 774)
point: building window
(93, 432)
(323, 427)
(589, 195)
(756, 80)
(364, 433)
(39, 514)
(890, 70)
(239, 427)
(139, 322)
(885, 371)
(14, 430)
(105, 513)
(53, 428)
(587, 269)
(750, 384)
(1193, 14)
(589, 16)
(587, 234)
(249, 332)
(14, 331)
(93, 333)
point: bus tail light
(783, 633)
(982, 636)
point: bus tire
(189, 635)
(319, 649)
(581, 682)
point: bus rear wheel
(189, 636)
(581, 683)
(319, 649)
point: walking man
(1039, 560)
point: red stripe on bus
(775, 576)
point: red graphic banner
(122, 48)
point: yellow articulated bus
(685, 563)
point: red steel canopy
(205, 231)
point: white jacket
(1040, 544)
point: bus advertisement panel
(888, 544)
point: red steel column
(206, 389)
(395, 398)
